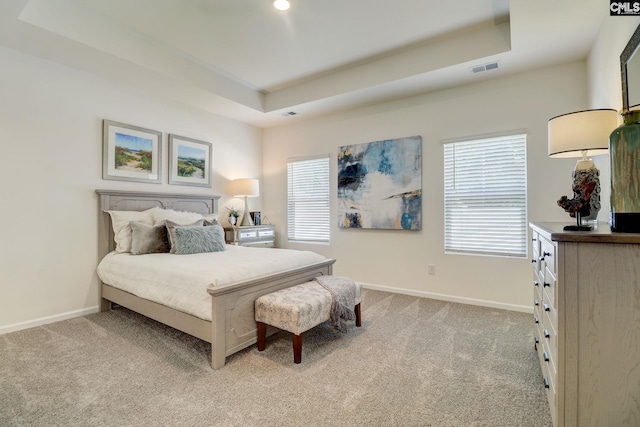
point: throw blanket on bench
(343, 299)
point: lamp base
(246, 217)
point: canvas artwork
(380, 184)
(189, 161)
(131, 153)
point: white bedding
(181, 281)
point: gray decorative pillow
(148, 239)
(210, 222)
(171, 226)
(195, 240)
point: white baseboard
(451, 298)
(45, 320)
(472, 301)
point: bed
(231, 325)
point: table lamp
(578, 135)
(245, 187)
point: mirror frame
(625, 56)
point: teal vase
(624, 156)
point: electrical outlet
(431, 269)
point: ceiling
(244, 60)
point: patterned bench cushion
(297, 309)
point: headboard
(117, 200)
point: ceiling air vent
(289, 113)
(485, 67)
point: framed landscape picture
(131, 153)
(189, 161)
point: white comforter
(181, 281)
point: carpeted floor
(414, 362)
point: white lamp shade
(571, 134)
(246, 187)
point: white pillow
(121, 223)
(181, 218)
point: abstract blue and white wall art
(380, 184)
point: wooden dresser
(587, 323)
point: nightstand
(263, 236)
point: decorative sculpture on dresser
(585, 181)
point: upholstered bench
(296, 310)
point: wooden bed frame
(233, 326)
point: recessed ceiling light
(281, 4)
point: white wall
(605, 85)
(51, 140)
(603, 63)
(399, 259)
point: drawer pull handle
(535, 302)
(545, 356)
(546, 383)
(547, 334)
(534, 260)
(536, 340)
(536, 320)
(535, 283)
(545, 254)
(533, 239)
(546, 285)
(547, 307)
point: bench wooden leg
(262, 335)
(358, 315)
(297, 348)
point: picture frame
(189, 161)
(380, 184)
(131, 153)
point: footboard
(233, 323)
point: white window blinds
(308, 199)
(485, 196)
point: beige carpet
(414, 362)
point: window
(308, 199)
(485, 196)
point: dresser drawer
(270, 232)
(549, 379)
(547, 255)
(549, 287)
(549, 312)
(549, 337)
(537, 286)
(537, 305)
(535, 252)
(538, 331)
(538, 318)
